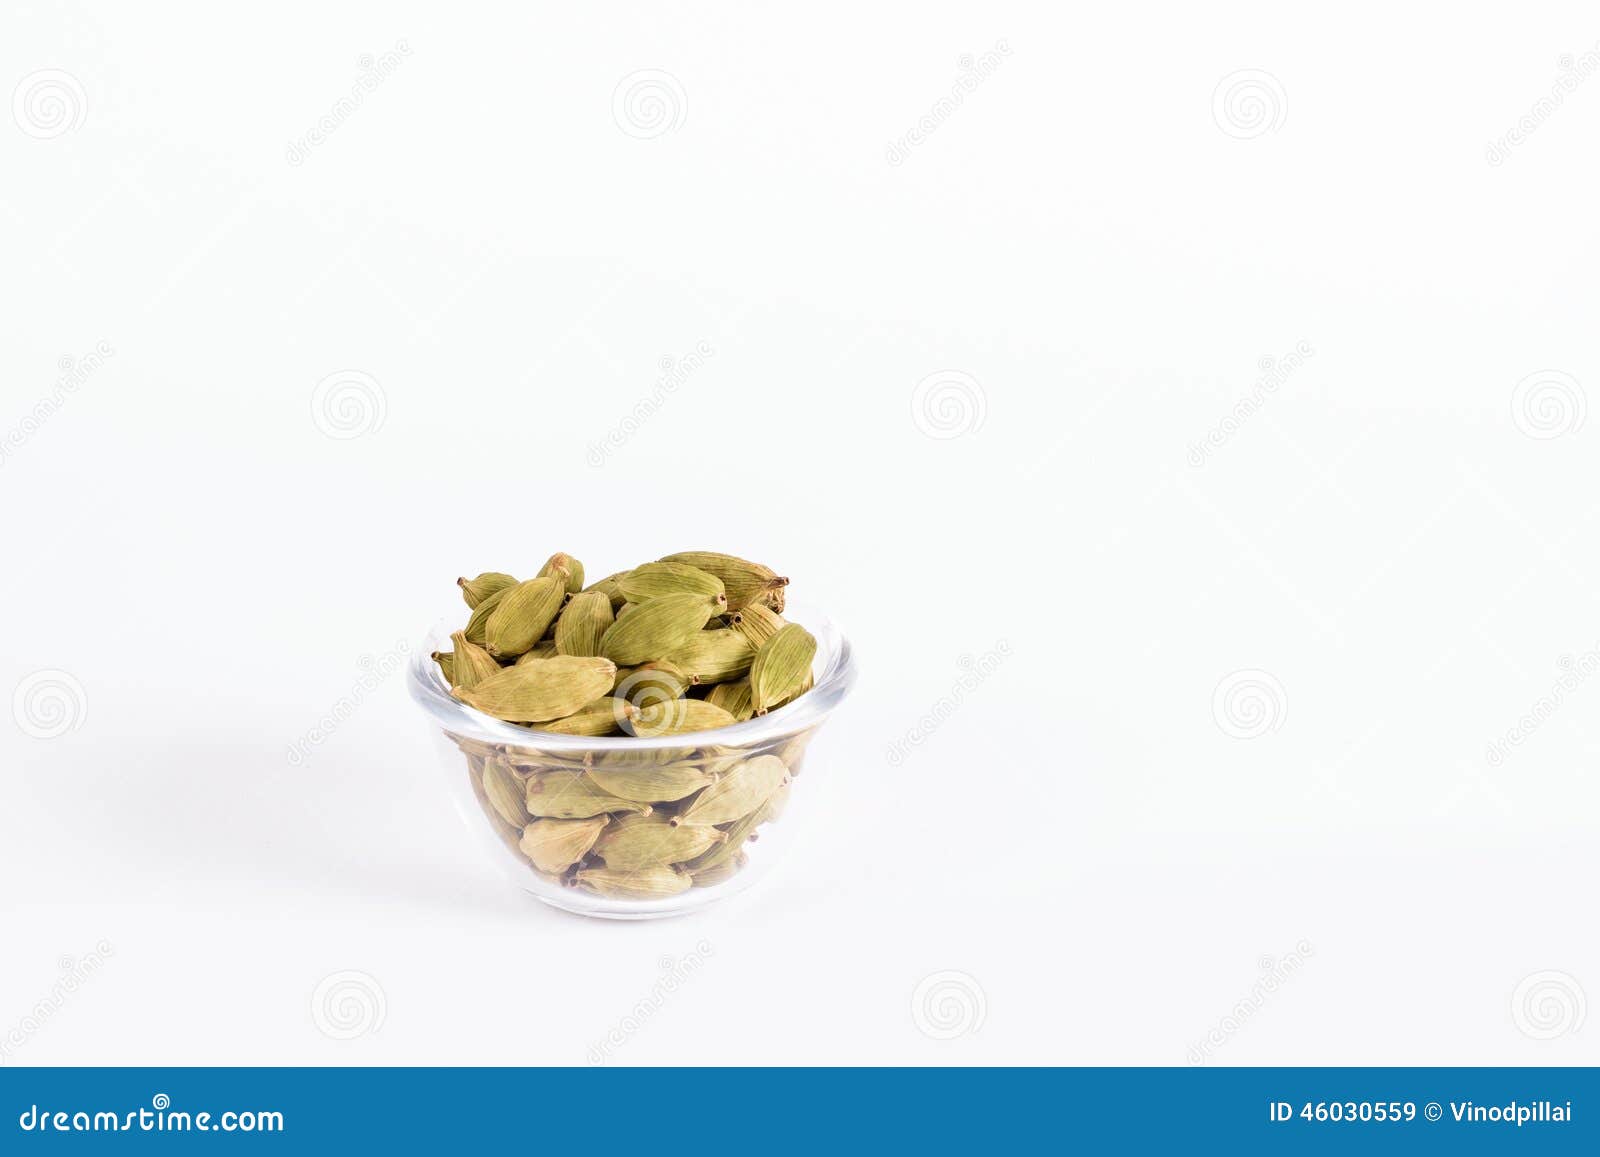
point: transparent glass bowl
(473, 746)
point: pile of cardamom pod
(693, 642)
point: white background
(1397, 544)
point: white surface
(1104, 257)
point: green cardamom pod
(720, 872)
(543, 649)
(654, 579)
(447, 665)
(679, 717)
(757, 623)
(714, 656)
(572, 795)
(583, 621)
(524, 614)
(782, 667)
(656, 883)
(540, 691)
(470, 663)
(645, 841)
(737, 794)
(555, 845)
(611, 587)
(658, 627)
(505, 793)
(605, 716)
(477, 589)
(738, 834)
(651, 683)
(478, 625)
(744, 582)
(571, 570)
(662, 784)
(734, 698)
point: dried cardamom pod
(543, 649)
(721, 872)
(447, 664)
(582, 623)
(655, 883)
(757, 623)
(645, 841)
(734, 698)
(470, 664)
(478, 625)
(605, 716)
(714, 656)
(782, 667)
(737, 794)
(505, 793)
(651, 683)
(773, 808)
(570, 568)
(654, 579)
(738, 834)
(611, 587)
(744, 582)
(662, 784)
(679, 717)
(477, 589)
(572, 795)
(555, 845)
(543, 690)
(658, 627)
(524, 614)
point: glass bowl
(490, 765)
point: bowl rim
(836, 675)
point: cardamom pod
(658, 627)
(734, 698)
(738, 834)
(714, 656)
(447, 665)
(543, 690)
(653, 784)
(543, 649)
(583, 621)
(737, 794)
(757, 623)
(605, 716)
(744, 582)
(470, 664)
(572, 795)
(654, 579)
(644, 841)
(611, 587)
(477, 589)
(655, 883)
(679, 717)
(570, 568)
(782, 667)
(721, 872)
(524, 614)
(478, 624)
(505, 793)
(555, 845)
(651, 683)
